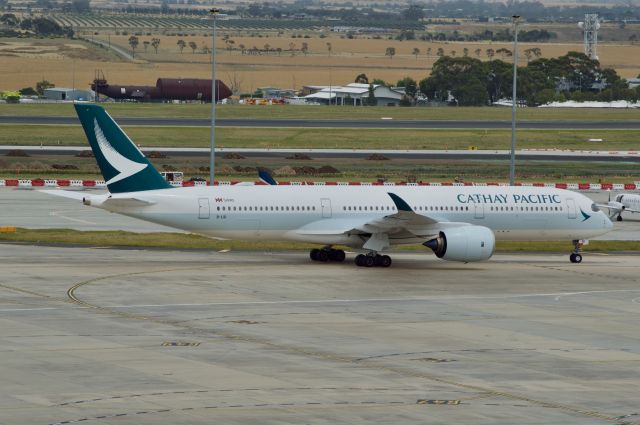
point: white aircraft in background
(457, 223)
(628, 202)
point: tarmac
(109, 336)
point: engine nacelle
(615, 205)
(466, 244)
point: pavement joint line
(329, 356)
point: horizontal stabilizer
(66, 194)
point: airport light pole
(512, 165)
(212, 160)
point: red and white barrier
(100, 184)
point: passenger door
(325, 204)
(203, 208)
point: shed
(354, 94)
(61, 93)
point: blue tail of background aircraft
(123, 166)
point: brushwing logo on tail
(126, 167)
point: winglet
(400, 203)
(266, 177)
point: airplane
(628, 202)
(456, 223)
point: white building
(61, 93)
(355, 94)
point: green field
(329, 138)
(326, 112)
(188, 241)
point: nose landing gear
(575, 256)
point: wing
(404, 224)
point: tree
(478, 52)
(413, 13)
(528, 54)
(305, 48)
(379, 82)
(429, 51)
(133, 42)
(490, 54)
(453, 53)
(504, 52)
(449, 75)
(410, 86)
(440, 52)
(267, 48)
(471, 93)
(193, 46)
(242, 48)
(42, 85)
(28, 91)
(80, 6)
(9, 19)
(465, 52)
(391, 52)
(146, 45)
(155, 42)
(329, 48)
(362, 79)
(292, 48)
(416, 52)
(181, 45)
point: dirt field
(29, 61)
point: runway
(528, 154)
(30, 208)
(105, 336)
(346, 123)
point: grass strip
(192, 110)
(330, 138)
(190, 241)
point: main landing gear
(575, 256)
(327, 254)
(619, 218)
(373, 260)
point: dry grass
(348, 59)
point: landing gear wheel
(619, 218)
(360, 260)
(337, 255)
(323, 255)
(575, 258)
(314, 254)
(369, 261)
(384, 261)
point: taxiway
(107, 336)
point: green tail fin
(123, 166)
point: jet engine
(466, 243)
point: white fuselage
(630, 201)
(278, 212)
